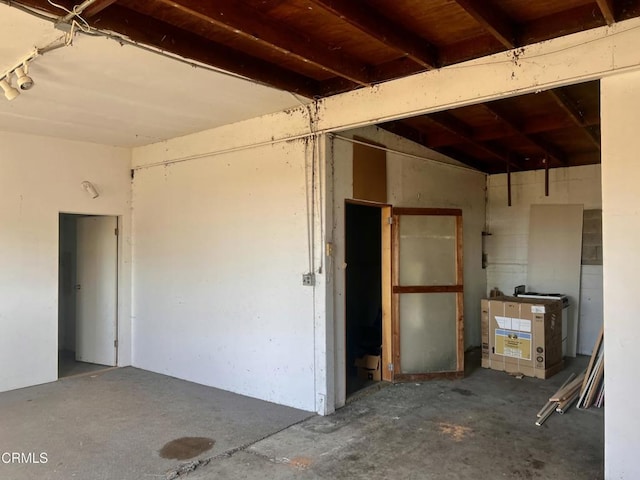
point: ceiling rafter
(606, 7)
(376, 25)
(574, 112)
(492, 20)
(465, 133)
(143, 29)
(246, 22)
(548, 150)
(96, 8)
(400, 128)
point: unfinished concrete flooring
(114, 425)
(481, 427)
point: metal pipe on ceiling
(77, 10)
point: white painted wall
(620, 102)
(507, 247)
(39, 178)
(221, 243)
(411, 182)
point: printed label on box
(507, 323)
(538, 309)
(521, 324)
(503, 322)
(510, 343)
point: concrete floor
(480, 427)
(69, 366)
(113, 425)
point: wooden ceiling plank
(548, 150)
(492, 20)
(401, 128)
(460, 129)
(608, 12)
(45, 6)
(384, 30)
(96, 8)
(244, 21)
(148, 31)
(574, 112)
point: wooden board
(555, 250)
(369, 173)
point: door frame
(118, 273)
(386, 254)
(397, 290)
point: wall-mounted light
(90, 189)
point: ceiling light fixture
(23, 80)
(9, 92)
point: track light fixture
(24, 81)
(9, 92)
(21, 72)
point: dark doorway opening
(363, 255)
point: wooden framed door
(427, 294)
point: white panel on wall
(553, 266)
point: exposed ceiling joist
(465, 133)
(246, 22)
(152, 32)
(547, 150)
(395, 36)
(492, 20)
(576, 115)
(402, 129)
(606, 7)
(96, 8)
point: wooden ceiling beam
(148, 31)
(492, 20)
(401, 128)
(574, 112)
(96, 8)
(376, 25)
(45, 6)
(548, 150)
(606, 7)
(556, 25)
(243, 21)
(465, 133)
(398, 68)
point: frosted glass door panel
(428, 336)
(427, 250)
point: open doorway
(87, 293)
(363, 255)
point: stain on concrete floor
(185, 448)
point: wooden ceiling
(319, 48)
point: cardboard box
(522, 335)
(369, 367)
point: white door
(96, 290)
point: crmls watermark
(24, 457)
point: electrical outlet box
(308, 279)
